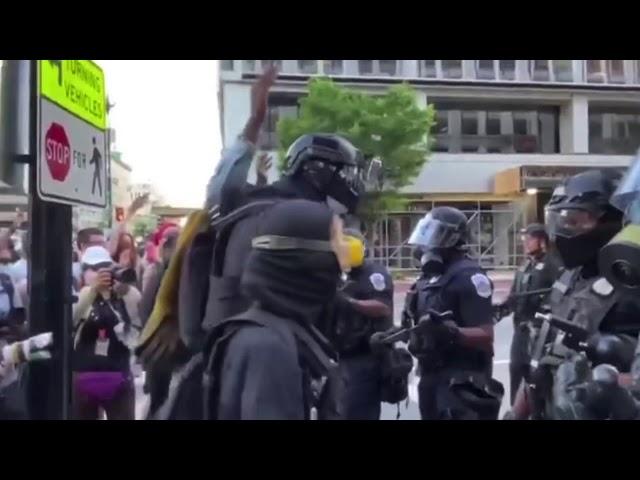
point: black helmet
(330, 163)
(441, 228)
(536, 230)
(580, 219)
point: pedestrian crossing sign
(72, 155)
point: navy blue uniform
(465, 290)
(360, 393)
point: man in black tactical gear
(454, 349)
(321, 168)
(364, 306)
(271, 362)
(538, 273)
(581, 221)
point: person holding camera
(105, 332)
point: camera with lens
(124, 274)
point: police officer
(581, 221)
(538, 272)
(364, 306)
(454, 348)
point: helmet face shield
(431, 233)
(571, 222)
(628, 189)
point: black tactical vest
(584, 302)
(533, 275)
(429, 297)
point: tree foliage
(391, 127)
(144, 225)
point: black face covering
(583, 249)
(432, 263)
(297, 283)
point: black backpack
(201, 273)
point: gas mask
(432, 263)
(356, 251)
(619, 260)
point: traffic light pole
(50, 287)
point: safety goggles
(628, 191)
(432, 233)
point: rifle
(501, 310)
(575, 337)
(402, 334)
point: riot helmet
(331, 164)
(532, 236)
(442, 231)
(580, 218)
(619, 260)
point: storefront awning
(539, 177)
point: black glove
(441, 333)
(606, 399)
(376, 342)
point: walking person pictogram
(96, 159)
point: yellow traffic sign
(78, 87)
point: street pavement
(409, 410)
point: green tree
(144, 225)
(391, 127)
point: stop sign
(58, 152)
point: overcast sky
(166, 121)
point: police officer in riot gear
(364, 306)
(452, 301)
(581, 221)
(537, 274)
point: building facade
(506, 132)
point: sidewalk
(501, 279)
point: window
(365, 67)
(493, 123)
(442, 123)
(520, 123)
(377, 67)
(614, 130)
(279, 106)
(308, 66)
(485, 69)
(595, 72)
(507, 69)
(333, 67)
(428, 68)
(452, 68)
(265, 63)
(226, 65)
(388, 67)
(563, 70)
(605, 71)
(506, 129)
(615, 70)
(248, 65)
(539, 70)
(469, 123)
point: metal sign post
(68, 158)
